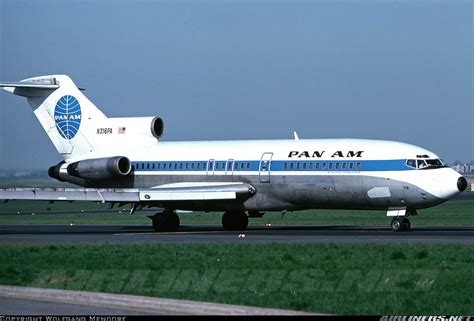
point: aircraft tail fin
(76, 127)
(64, 112)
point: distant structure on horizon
(464, 168)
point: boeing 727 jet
(122, 161)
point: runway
(215, 234)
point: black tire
(397, 225)
(166, 222)
(235, 221)
(406, 224)
(227, 221)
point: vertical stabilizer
(67, 116)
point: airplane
(123, 161)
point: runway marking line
(169, 233)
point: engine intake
(157, 127)
(100, 168)
(54, 171)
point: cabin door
(265, 167)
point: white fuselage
(332, 173)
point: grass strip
(326, 278)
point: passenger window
(291, 165)
(337, 166)
(323, 166)
(285, 166)
(330, 166)
(175, 165)
(344, 165)
(351, 166)
(358, 166)
(297, 166)
(304, 165)
(192, 165)
(153, 166)
(317, 166)
(248, 165)
(310, 165)
(181, 166)
(198, 166)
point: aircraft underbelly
(297, 191)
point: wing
(160, 194)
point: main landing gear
(235, 221)
(167, 221)
(400, 224)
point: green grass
(326, 278)
(453, 213)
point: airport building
(464, 168)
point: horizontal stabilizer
(29, 85)
(31, 89)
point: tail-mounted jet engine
(54, 172)
(100, 168)
(157, 127)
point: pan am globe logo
(67, 116)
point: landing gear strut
(235, 221)
(168, 221)
(400, 224)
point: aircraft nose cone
(462, 184)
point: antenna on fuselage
(295, 135)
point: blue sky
(397, 70)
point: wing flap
(172, 192)
(70, 194)
(186, 196)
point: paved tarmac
(18, 306)
(216, 234)
(16, 300)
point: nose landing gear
(400, 224)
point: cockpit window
(425, 163)
(421, 164)
(411, 163)
(435, 163)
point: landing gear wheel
(165, 222)
(400, 224)
(235, 221)
(406, 224)
(396, 225)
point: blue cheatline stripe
(275, 166)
